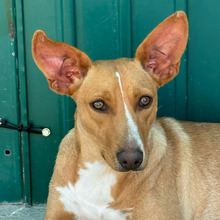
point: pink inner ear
(163, 52)
(159, 62)
(61, 71)
(52, 66)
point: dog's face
(116, 99)
(118, 109)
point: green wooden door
(104, 30)
(10, 151)
(27, 159)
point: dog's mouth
(121, 169)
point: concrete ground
(21, 212)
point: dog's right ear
(63, 65)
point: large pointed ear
(63, 65)
(161, 51)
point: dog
(120, 161)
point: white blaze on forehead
(132, 127)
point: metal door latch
(30, 129)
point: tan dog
(173, 168)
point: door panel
(10, 157)
(93, 18)
(203, 64)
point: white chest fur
(90, 197)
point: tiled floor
(20, 212)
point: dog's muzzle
(130, 159)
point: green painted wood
(124, 17)
(22, 99)
(97, 26)
(203, 62)
(10, 160)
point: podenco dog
(120, 161)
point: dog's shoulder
(198, 144)
(199, 141)
(194, 149)
(194, 132)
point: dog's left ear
(161, 51)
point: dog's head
(116, 99)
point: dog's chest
(90, 197)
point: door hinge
(30, 129)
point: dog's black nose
(130, 160)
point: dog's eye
(145, 101)
(99, 106)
